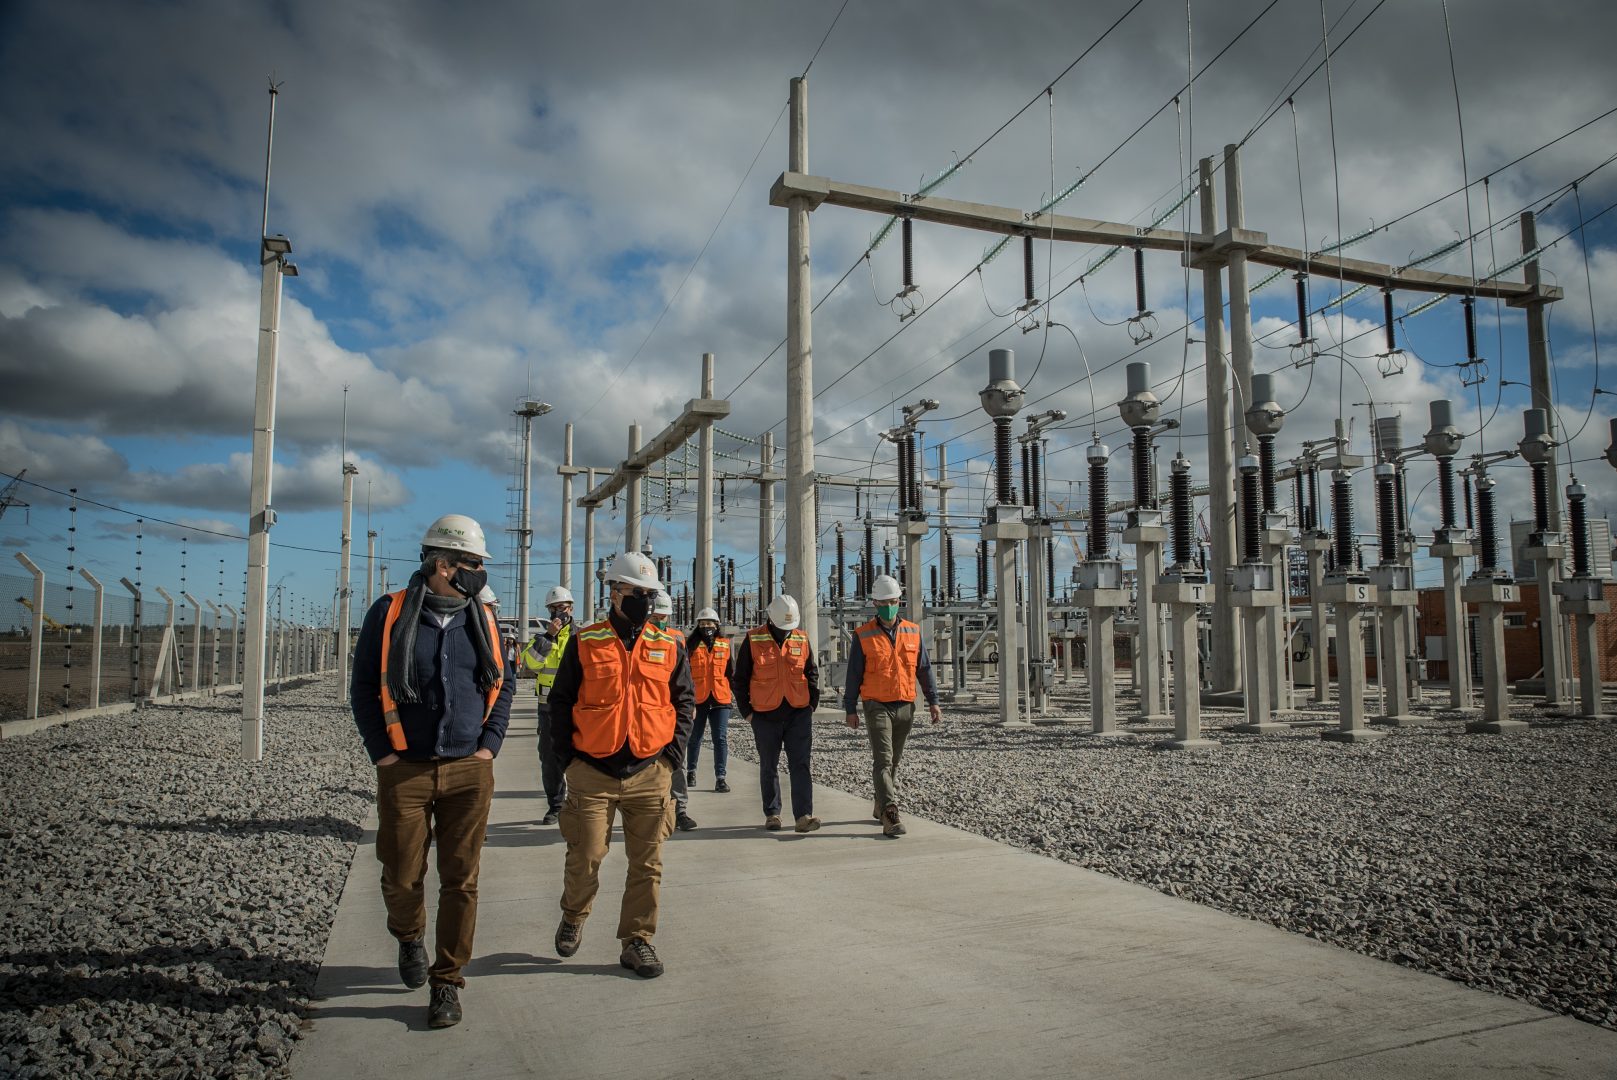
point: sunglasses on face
(636, 591)
(470, 564)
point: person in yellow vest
(620, 714)
(662, 609)
(777, 687)
(885, 663)
(712, 669)
(542, 656)
(431, 698)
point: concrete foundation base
(1057, 721)
(1266, 728)
(1352, 735)
(1150, 718)
(1495, 727)
(1188, 744)
(1401, 720)
(1012, 725)
(1224, 699)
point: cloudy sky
(491, 200)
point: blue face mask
(887, 612)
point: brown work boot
(569, 936)
(890, 825)
(807, 823)
(875, 811)
(640, 958)
(772, 822)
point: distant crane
(50, 622)
(8, 497)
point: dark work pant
(715, 717)
(793, 729)
(550, 774)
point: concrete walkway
(843, 954)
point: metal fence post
(95, 639)
(36, 647)
(134, 641)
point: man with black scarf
(431, 698)
(620, 715)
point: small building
(1523, 657)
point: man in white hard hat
(712, 669)
(777, 687)
(431, 698)
(542, 656)
(662, 610)
(620, 713)
(886, 661)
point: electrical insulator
(1316, 522)
(1304, 333)
(1004, 487)
(1027, 475)
(913, 470)
(1027, 270)
(1541, 496)
(934, 575)
(867, 569)
(1392, 333)
(1098, 457)
(1179, 494)
(1445, 490)
(1487, 525)
(946, 543)
(1144, 497)
(1470, 517)
(842, 565)
(1050, 566)
(903, 477)
(1577, 515)
(1386, 523)
(1401, 505)
(1266, 471)
(1297, 497)
(1036, 479)
(909, 254)
(1469, 305)
(982, 570)
(1139, 281)
(1251, 510)
(1342, 519)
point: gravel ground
(166, 905)
(1490, 860)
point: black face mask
(468, 582)
(705, 634)
(635, 608)
(563, 617)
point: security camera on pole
(1140, 410)
(1007, 528)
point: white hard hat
(885, 587)
(662, 604)
(558, 595)
(633, 568)
(707, 614)
(783, 612)
(456, 532)
(487, 597)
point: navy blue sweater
(448, 720)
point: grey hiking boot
(890, 825)
(569, 936)
(807, 823)
(640, 958)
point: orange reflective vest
(778, 671)
(624, 696)
(889, 665)
(390, 708)
(710, 671)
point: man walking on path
(542, 656)
(431, 698)
(712, 669)
(620, 714)
(777, 687)
(662, 609)
(887, 659)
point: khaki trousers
(586, 823)
(416, 801)
(887, 723)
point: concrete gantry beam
(698, 411)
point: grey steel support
(766, 519)
(802, 557)
(565, 577)
(36, 635)
(589, 553)
(1224, 659)
(632, 495)
(703, 584)
(345, 621)
(95, 637)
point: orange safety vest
(624, 697)
(708, 671)
(889, 665)
(777, 671)
(390, 708)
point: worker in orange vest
(777, 686)
(886, 661)
(712, 669)
(431, 698)
(620, 715)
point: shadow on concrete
(155, 975)
(509, 963)
(522, 834)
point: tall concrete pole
(1538, 359)
(527, 412)
(802, 556)
(704, 498)
(589, 552)
(565, 580)
(766, 518)
(272, 261)
(631, 510)
(344, 592)
(1224, 660)
(370, 568)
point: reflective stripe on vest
(778, 671)
(545, 675)
(390, 708)
(624, 697)
(709, 671)
(889, 664)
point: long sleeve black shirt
(741, 685)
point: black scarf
(401, 674)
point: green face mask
(887, 612)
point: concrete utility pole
(272, 259)
(567, 471)
(1224, 653)
(766, 519)
(703, 585)
(344, 621)
(588, 584)
(527, 411)
(802, 554)
(631, 503)
(370, 568)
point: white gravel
(166, 905)
(1491, 860)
